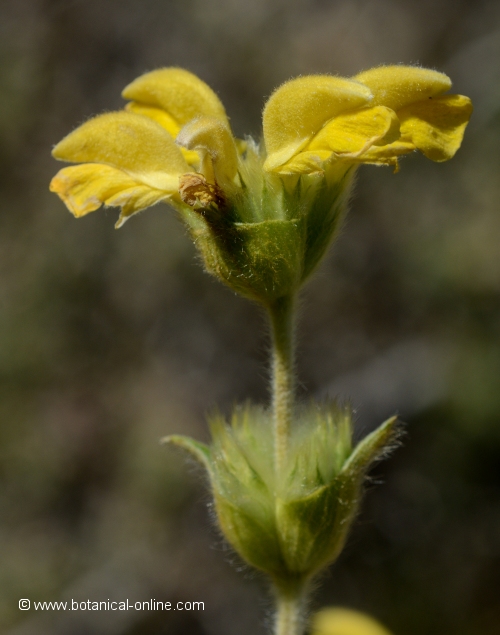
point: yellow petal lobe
(168, 123)
(214, 141)
(436, 126)
(84, 188)
(298, 109)
(386, 154)
(177, 91)
(346, 137)
(129, 142)
(156, 114)
(399, 86)
(345, 622)
(355, 131)
(306, 162)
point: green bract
(289, 524)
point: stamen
(197, 192)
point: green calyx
(293, 523)
(265, 237)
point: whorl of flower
(291, 522)
(262, 216)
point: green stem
(289, 618)
(281, 314)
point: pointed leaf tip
(374, 446)
(198, 450)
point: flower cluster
(261, 214)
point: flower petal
(177, 91)
(386, 154)
(168, 123)
(156, 114)
(436, 126)
(354, 131)
(346, 137)
(298, 109)
(212, 138)
(84, 188)
(307, 162)
(399, 86)
(129, 142)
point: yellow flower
(130, 158)
(337, 621)
(375, 117)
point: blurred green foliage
(110, 339)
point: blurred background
(110, 340)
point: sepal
(266, 237)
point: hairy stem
(289, 618)
(281, 314)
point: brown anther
(197, 192)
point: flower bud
(293, 523)
(340, 621)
